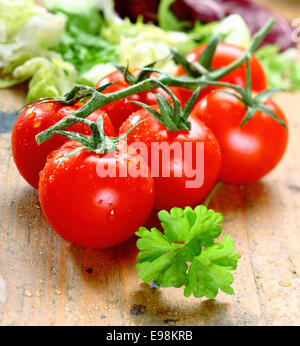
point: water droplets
(37, 123)
(111, 215)
(30, 115)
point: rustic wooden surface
(46, 281)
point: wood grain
(47, 281)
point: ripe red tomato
(120, 110)
(172, 191)
(225, 55)
(248, 152)
(91, 210)
(29, 157)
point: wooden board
(46, 281)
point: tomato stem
(212, 193)
(255, 42)
(98, 100)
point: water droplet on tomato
(51, 178)
(37, 123)
(111, 216)
(30, 115)
(100, 201)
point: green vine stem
(212, 193)
(98, 100)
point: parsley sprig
(187, 253)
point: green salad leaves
(76, 41)
(81, 44)
(282, 69)
(187, 253)
(30, 32)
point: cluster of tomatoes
(93, 211)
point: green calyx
(203, 68)
(77, 93)
(98, 142)
(203, 65)
(144, 73)
(245, 95)
(256, 104)
(174, 118)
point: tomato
(173, 190)
(120, 110)
(248, 152)
(225, 55)
(29, 157)
(91, 210)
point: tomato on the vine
(225, 55)
(173, 190)
(29, 157)
(120, 110)
(88, 208)
(249, 151)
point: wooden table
(46, 281)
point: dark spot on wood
(103, 316)
(137, 309)
(170, 321)
(295, 188)
(89, 270)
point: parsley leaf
(210, 270)
(187, 254)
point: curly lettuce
(282, 69)
(81, 44)
(30, 31)
(141, 44)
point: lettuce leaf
(141, 44)
(39, 31)
(49, 76)
(24, 54)
(233, 29)
(15, 14)
(81, 44)
(282, 69)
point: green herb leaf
(186, 254)
(210, 271)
